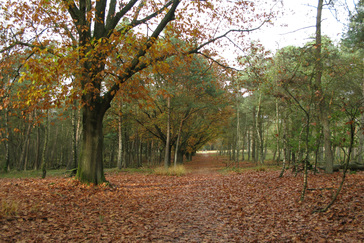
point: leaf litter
(202, 206)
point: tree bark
(259, 128)
(168, 147)
(361, 134)
(253, 136)
(7, 150)
(329, 160)
(237, 130)
(75, 132)
(120, 138)
(45, 145)
(22, 159)
(278, 133)
(90, 167)
(285, 144)
(37, 149)
(177, 143)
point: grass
(143, 170)
(9, 208)
(32, 173)
(257, 168)
(179, 170)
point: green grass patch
(179, 170)
(143, 170)
(32, 173)
(257, 168)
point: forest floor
(204, 205)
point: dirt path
(205, 163)
(197, 214)
(202, 206)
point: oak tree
(87, 49)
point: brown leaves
(204, 206)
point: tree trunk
(244, 137)
(177, 143)
(329, 160)
(284, 147)
(53, 158)
(45, 145)
(37, 149)
(90, 166)
(249, 145)
(259, 128)
(22, 160)
(7, 150)
(168, 147)
(140, 150)
(75, 129)
(120, 138)
(237, 130)
(278, 133)
(254, 141)
(361, 135)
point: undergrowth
(179, 170)
(31, 173)
(257, 168)
(8, 208)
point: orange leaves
(204, 206)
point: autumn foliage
(202, 206)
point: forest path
(197, 213)
(202, 206)
(205, 163)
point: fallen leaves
(201, 207)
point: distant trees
(282, 102)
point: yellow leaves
(22, 77)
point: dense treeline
(273, 118)
(288, 109)
(275, 109)
(135, 129)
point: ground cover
(204, 205)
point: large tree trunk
(90, 166)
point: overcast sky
(299, 15)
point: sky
(300, 18)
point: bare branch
(225, 35)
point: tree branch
(135, 65)
(195, 50)
(114, 20)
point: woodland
(106, 107)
